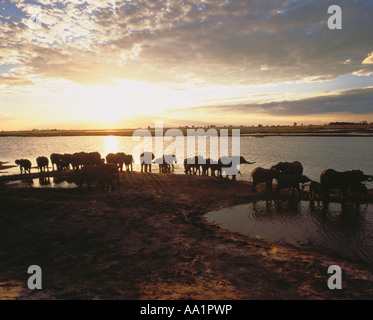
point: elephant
(104, 173)
(289, 167)
(193, 165)
(166, 163)
(344, 181)
(117, 159)
(42, 163)
(264, 175)
(230, 166)
(316, 189)
(66, 160)
(128, 161)
(80, 159)
(77, 160)
(55, 160)
(211, 165)
(291, 181)
(93, 158)
(24, 165)
(62, 161)
(146, 159)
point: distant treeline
(347, 123)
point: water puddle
(346, 230)
(43, 183)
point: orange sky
(118, 64)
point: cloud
(216, 42)
(357, 101)
(369, 59)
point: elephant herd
(224, 165)
(290, 175)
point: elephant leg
(299, 192)
(278, 190)
(344, 195)
(325, 195)
(255, 183)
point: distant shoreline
(264, 131)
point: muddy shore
(148, 240)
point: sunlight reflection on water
(111, 145)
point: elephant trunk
(244, 161)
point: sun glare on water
(111, 145)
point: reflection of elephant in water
(146, 159)
(344, 181)
(42, 163)
(103, 173)
(166, 163)
(289, 167)
(291, 181)
(264, 175)
(24, 165)
(230, 166)
(44, 181)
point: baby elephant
(24, 165)
(316, 189)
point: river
(315, 153)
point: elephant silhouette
(289, 167)
(343, 181)
(146, 159)
(24, 165)
(42, 163)
(291, 181)
(104, 174)
(260, 175)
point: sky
(106, 64)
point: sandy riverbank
(148, 240)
